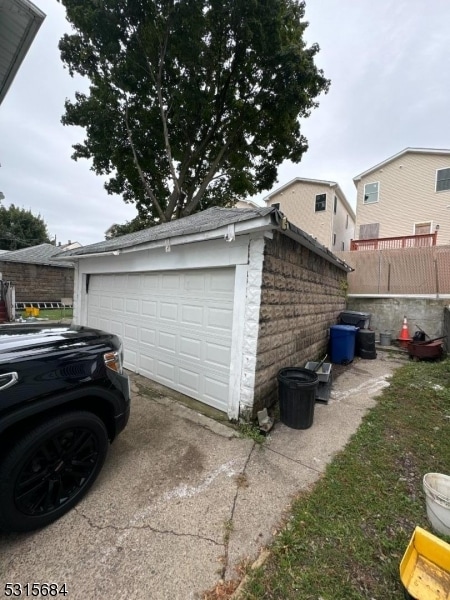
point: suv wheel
(50, 469)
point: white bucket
(437, 491)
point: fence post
(437, 277)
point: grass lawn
(50, 313)
(345, 538)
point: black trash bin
(297, 396)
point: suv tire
(47, 471)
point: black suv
(63, 398)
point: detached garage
(214, 304)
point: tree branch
(147, 188)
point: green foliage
(19, 228)
(192, 103)
(136, 224)
(346, 537)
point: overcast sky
(388, 61)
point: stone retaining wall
(302, 295)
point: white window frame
(364, 192)
(436, 180)
(315, 202)
(422, 223)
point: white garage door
(176, 326)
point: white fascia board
(241, 228)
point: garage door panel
(170, 282)
(129, 358)
(165, 370)
(148, 336)
(217, 354)
(147, 366)
(192, 314)
(133, 282)
(149, 309)
(116, 327)
(118, 304)
(216, 390)
(132, 306)
(189, 380)
(190, 348)
(176, 328)
(168, 311)
(219, 318)
(149, 282)
(131, 332)
(222, 282)
(167, 341)
(194, 282)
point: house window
(422, 228)
(371, 192)
(342, 245)
(346, 223)
(321, 202)
(276, 205)
(442, 180)
(334, 239)
(335, 205)
(369, 231)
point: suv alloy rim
(56, 471)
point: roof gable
(444, 152)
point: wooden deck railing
(393, 243)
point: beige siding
(297, 202)
(343, 226)
(407, 197)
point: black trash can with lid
(353, 317)
(297, 396)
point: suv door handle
(11, 379)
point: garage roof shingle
(206, 220)
(36, 255)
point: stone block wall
(301, 296)
(38, 283)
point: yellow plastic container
(425, 567)
(30, 311)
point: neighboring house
(407, 194)
(69, 246)
(214, 304)
(246, 204)
(318, 207)
(19, 23)
(35, 276)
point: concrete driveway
(182, 500)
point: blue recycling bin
(342, 343)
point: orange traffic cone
(404, 337)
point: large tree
(19, 228)
(192, 103)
